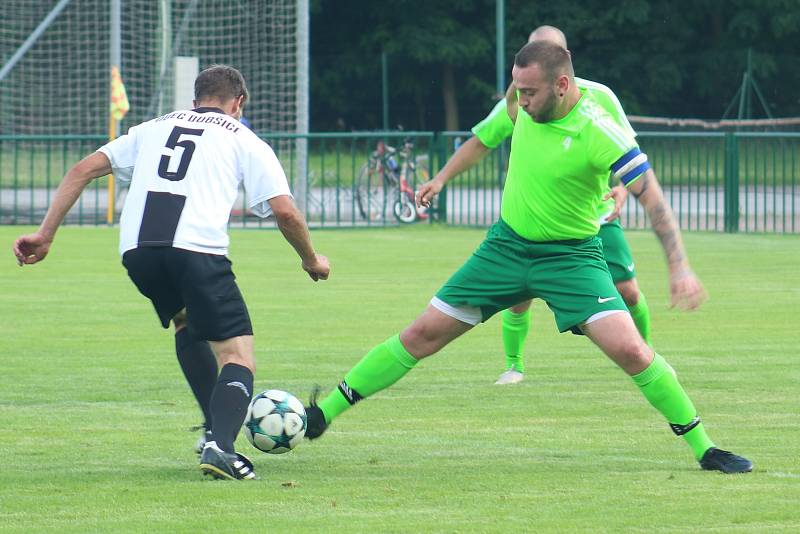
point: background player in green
(489, 134)
(545, 245)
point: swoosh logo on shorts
(630, 267)
(601, 300)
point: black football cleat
(225, 465)
(315, 418)
(716, 459)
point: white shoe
(201, 441)
(511, 376)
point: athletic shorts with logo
(204, 284)
(616, 252)
(570, 276)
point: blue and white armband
(630, 166)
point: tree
(683, 58)
(436, 51)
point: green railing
(726, 182)
(731, 182)
(31, 167)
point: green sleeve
(496, 127)
(610, 103)
(609, 142)
(606, 98)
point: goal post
(57, 75)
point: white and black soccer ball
(275, 421)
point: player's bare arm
(687, 291)
(33, 248)
(294, 228)
(467, 155)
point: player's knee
(179, 320)
(416, 339)
(421, 340)
(238, 359)
(634, 355)
(629, 290)
(238, 350)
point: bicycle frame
(384, 182)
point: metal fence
(725, 182)
(718, 182)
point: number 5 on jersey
(173, 142)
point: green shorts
(617, 252)
(570, 276)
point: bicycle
(387, 179)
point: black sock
(199, 366)
(229, 404)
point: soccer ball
(275, 421)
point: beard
(548, 109)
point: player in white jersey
(207, 202)
(185, 170)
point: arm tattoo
(662, 220)
(644, 182)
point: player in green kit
(545, 245)
(489, 134)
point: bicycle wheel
(404, 208)
(372, 196)
(421, 175)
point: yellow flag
(119, 98)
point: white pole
(165, 14)
(301, 186)
(115, 58)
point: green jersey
(497, 126)
(558, 171)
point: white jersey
(185, 169)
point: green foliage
(93, 408)
(682, 59)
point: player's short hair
(220, 81)
(553, 59)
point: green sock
(384, 365)
(660, 386)
(641, 317)
(515, 330)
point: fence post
(441, 159)
(731, 183)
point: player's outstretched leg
(199, 366)
(659, 384)
(384, 365)
(515, 325)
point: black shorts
(204, 284)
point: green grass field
(94, 411)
